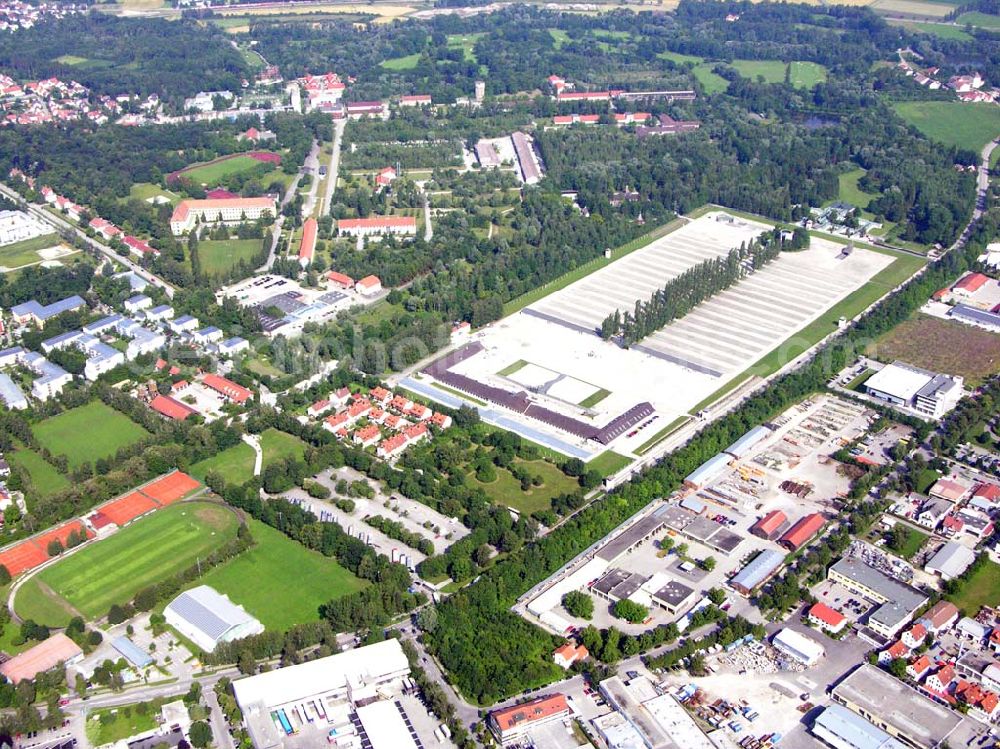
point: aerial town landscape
(601, 374)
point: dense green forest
(126, 56)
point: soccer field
(87, 433)
(115, 569)
(280, 581)
(219, 256)
(214, 172)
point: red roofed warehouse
(827, 618)
(377, 225)
(44, 656)
(769, 525)
(970, 284)
(340, 279)
(236, 393)
(307, 247)
(797, 536)
(510, 724)
(172, 409)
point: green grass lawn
(146, 190)
(116, 723)
(594, 398)
(236, 463)
(860, 380)
(45, 477)
(662, 434)
(113, 570)
(280, 581)
(942, 30)
(465, 42)
(71, 60)
(608, 462)
(982, 589)
(801, 75)
(983, 20)
(407, 62)
(87, 433)
(850, 192)
(914, 541)
(712, 82)
(512, 368)
(213, 173)
(506, 490)
(559, 37)
(17, 254)
(680, 57)
(953, 123)
(219, 256)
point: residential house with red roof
(340, 280)
(367, 436)
(894, 651)
(227, 388)
(440, 420)
(567, 654)
(391, 446)
(914, 636)
(919, 667)
(827, 618)
(319, 408)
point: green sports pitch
(113, 570)
(87, 433)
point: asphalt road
(63, 225)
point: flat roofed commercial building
(386, 726)
(631, 537)
(510, 724)
(899, 601)
(660, 720)
(842, 729)
(904, 385)
(897, 709)
(208, 618)
(797, 646)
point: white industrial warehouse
(348, 699)
(207, 617)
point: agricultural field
(712, 82)
(407, 62)
(941, 346)
(801, 74)
(26, 252)
(953, 123)
(219, 256)
(506, 490)
(114, 569)
(236, 463)
(916, 9)
(45, 478)
(214, 172)
(87, 433)
(385, 13)
(290, 581)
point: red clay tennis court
(128, 508)
(171, 488)
(61, 533)
(22, 557)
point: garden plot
(585, 304)
(735, 328)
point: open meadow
(290, 582)
(87, 433)
(953, 123)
